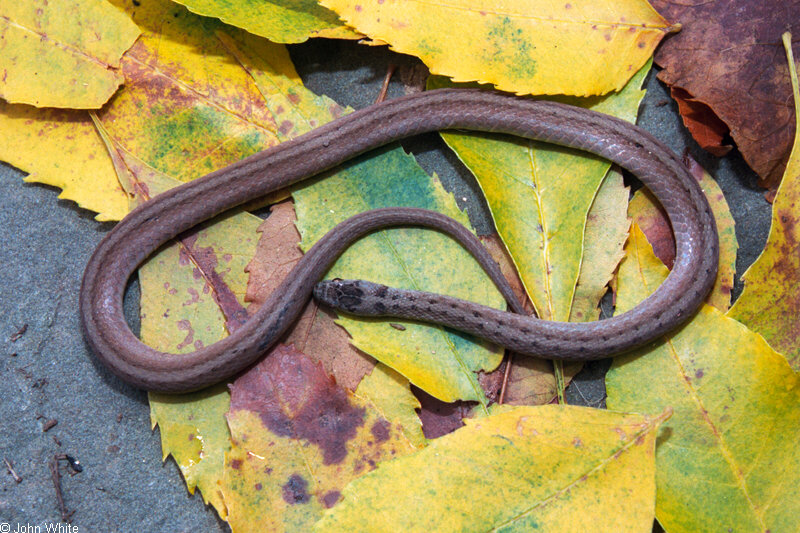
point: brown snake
(155, 222)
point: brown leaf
(728, 56)
(706, 127)
(438, 417)
(296, 399)
(315, 333)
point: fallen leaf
(277, 20)
(315, 333)
(728, 57)
(727, 459)
(298, 439)
(192, 434)
(706, 128)
(604, 236)
(648, 214)
(62, 148)
(62, 53)
(524, 468)
(770, 301)
(579, 47)
(188, 108)
(390, 393)
(530, 380)
(539, 196)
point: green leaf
(539, 196)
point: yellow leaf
(62, 53)
(192, 434)
(580, 47)
(604, 237)
(390, 394)
(770, 301)
(298, 439)
(62, 148)
(277, 20)
(727, 460)
(188, 108)
(546, 468)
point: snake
(155, 222)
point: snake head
(353, 296)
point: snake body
(157, 221)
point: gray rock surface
(48, 374)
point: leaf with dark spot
(302, 438)
(295, 490)
(545, 468)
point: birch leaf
(298, 439)
(62, 53)
(390, 394)
(549, 468)
(727, 459)
(581, 47)
(62, 148)
(280, 21)
(604, 237)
